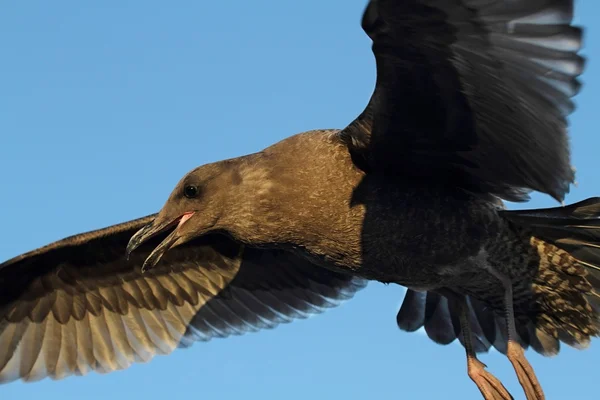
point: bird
(470, 110)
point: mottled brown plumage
(469, 108)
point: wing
(78, 305)
(471, 92)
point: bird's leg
(516, 355)
(489, 386)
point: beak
(152, 229)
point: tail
(566, 288)
(562, 304)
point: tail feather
(438, 324)
(574, 228)
(486, 320)
(562, 304)
(439, 318)
(567, 285)
(411, 316)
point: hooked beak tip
(131, 246)
(149, 231)
(137, 239)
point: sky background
(105, 105)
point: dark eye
(190, 191)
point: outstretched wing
(474, 93)
(78, 305)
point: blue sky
(105, 105)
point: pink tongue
(185, 217)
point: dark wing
(78, 305)
(471, 92)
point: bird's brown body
(320, 205)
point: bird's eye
(190, 191)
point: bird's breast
(388, 233)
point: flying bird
(469, 110)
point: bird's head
(193, 209)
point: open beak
(152, 229)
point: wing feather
(78, 305)
(472, 92)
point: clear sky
(105, 105)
